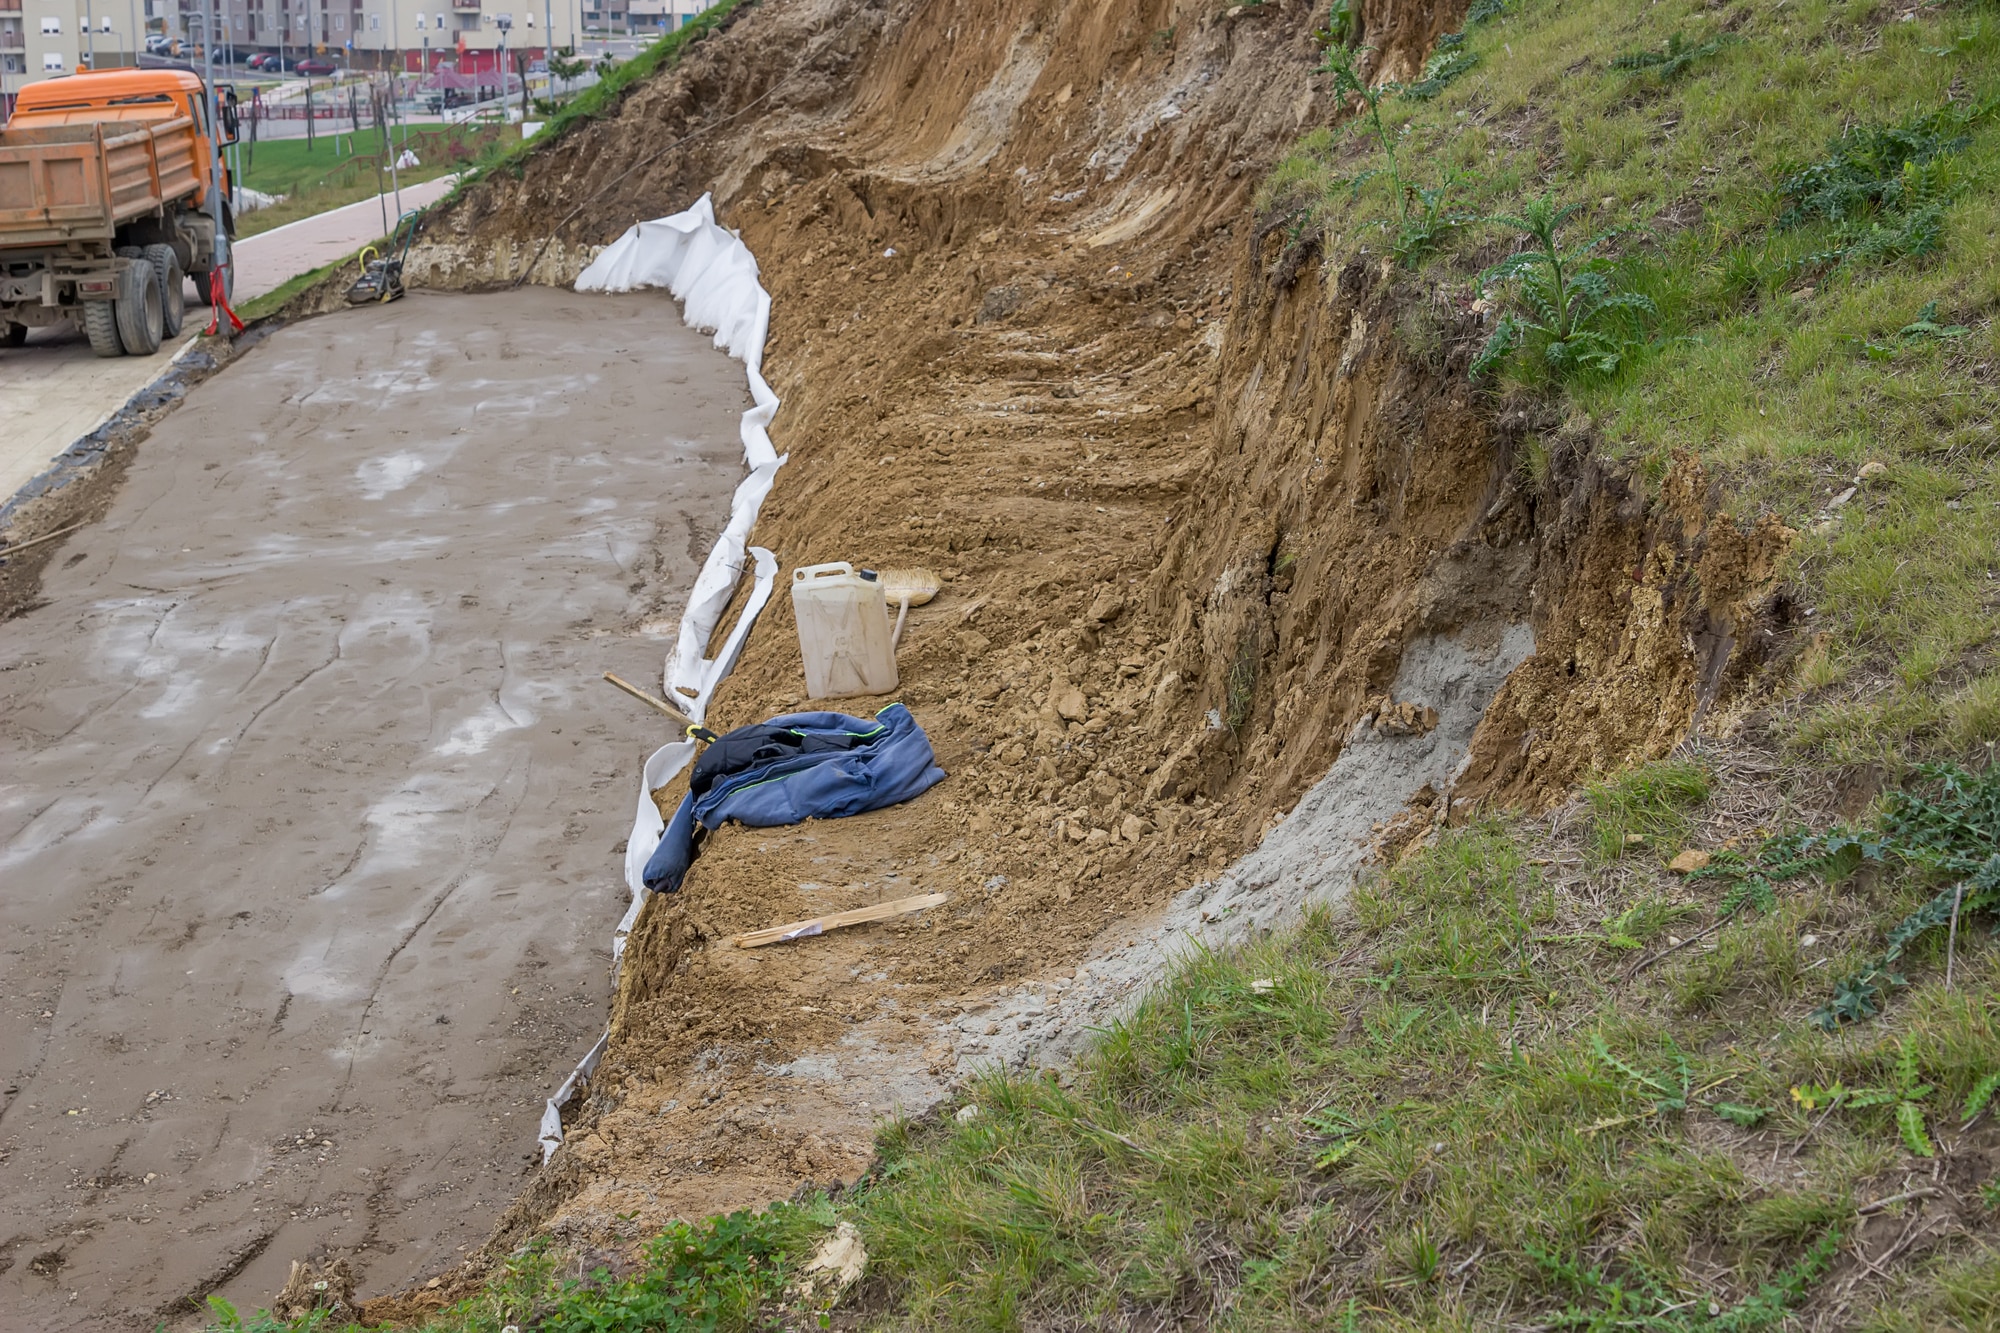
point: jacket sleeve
(671, 859)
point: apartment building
(385, 34)
(42, 39)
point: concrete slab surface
(312, 812)
(55, 390)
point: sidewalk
(269, 259)
(55, 390)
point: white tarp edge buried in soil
(714, 276)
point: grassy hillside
(1804, 197)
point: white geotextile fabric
(714, 276)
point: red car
(318, 66)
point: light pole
(503, 22)
(217, 287)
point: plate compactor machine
(382, 271)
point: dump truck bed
(63, 183)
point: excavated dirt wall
(1214, 528)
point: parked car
(158, 42)
(318, 66)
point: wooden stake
(45, 537)
(660, 705)
(798, 930)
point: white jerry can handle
(806, 572)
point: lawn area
(336, 170)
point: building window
(420, 20)
(52, 60)
(374, 23)
(51, 27)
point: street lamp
(503, 22)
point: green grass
(274, 300)
(1645, 807)
(1778, 355)
(721, 1274)
(1460, 1105)
(1442, 1111)
(326, 176)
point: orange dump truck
(104, 190)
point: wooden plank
(798, 930)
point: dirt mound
(1193, 501)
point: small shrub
(1671, 60)
(1424, 217)
(1448, 61)
(1569, 318)
(1882, 187)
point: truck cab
(101, 175)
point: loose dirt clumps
(1216, 532)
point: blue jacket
(891, 763)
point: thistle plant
(1568, 314)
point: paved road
(55, 390)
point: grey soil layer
(312, 797)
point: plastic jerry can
(843, 631)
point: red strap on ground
(220, 307)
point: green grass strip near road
(333, 172)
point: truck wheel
(204, 288)
(100, 324)
(141, 320)
(173, 298)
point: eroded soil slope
(1192, 499)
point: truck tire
(141, 319)
(100, 324)
(203, 281)
(173, 297)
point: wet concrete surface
(311, 798)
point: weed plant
(1568, 318)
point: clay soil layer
(313, 798)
